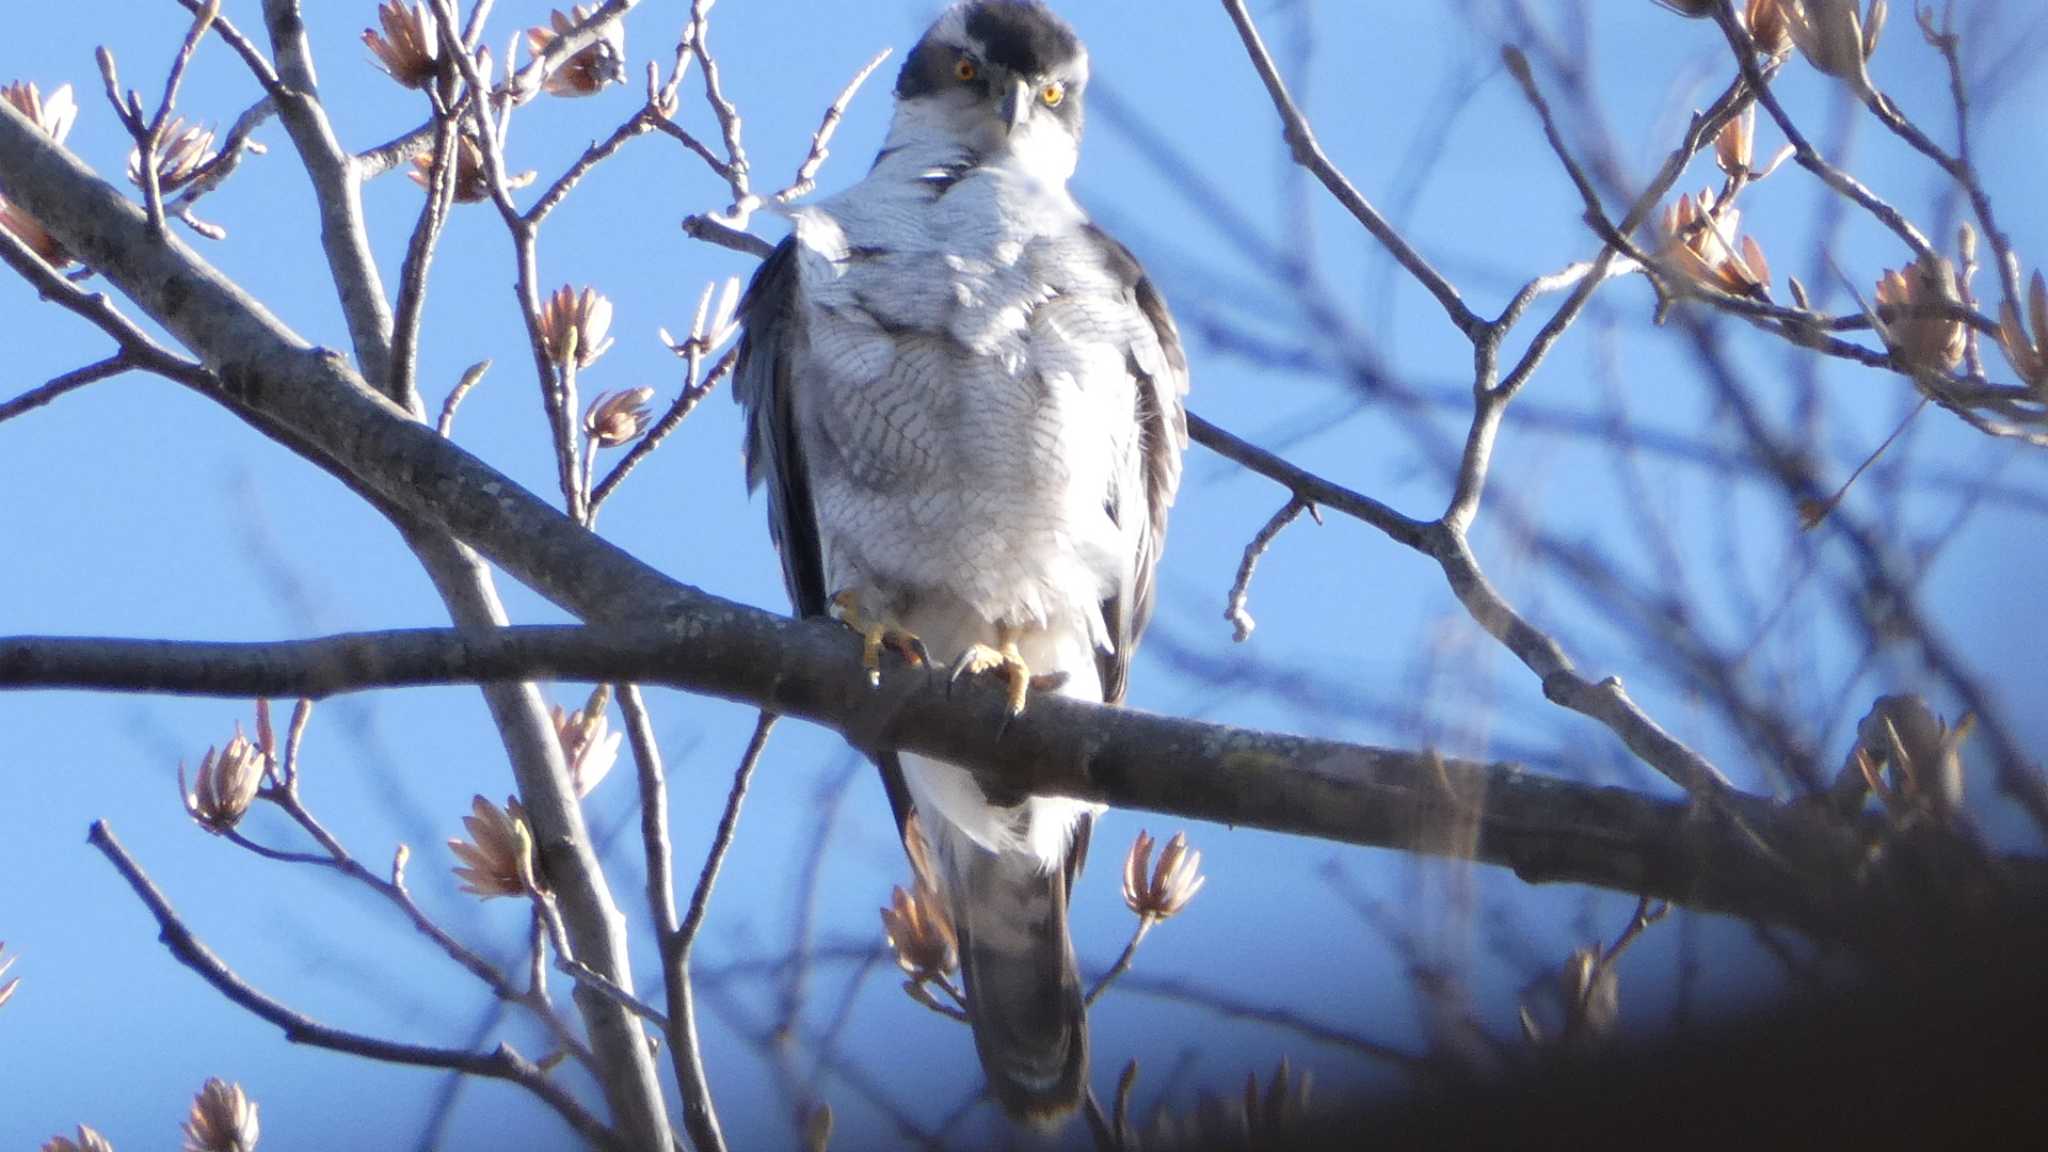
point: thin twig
(692, 394)
(1099, 1128)
(214, 172)
(258, 66)
(1123, 960)
(1308, 487)
(1234, 1007)
(1301, 142)
(1234, 609)
(419, 257)
(337, 858)
(70, 381)
(806, 173)
(639, 124)
(501, 1064)
(471, 377)
(714, 231)
(97, 309)
(700, 1117)
(728, 823)
(714, 94)
(556, 378)
(1807, 156)
(1964, 166)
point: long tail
(1023, 989)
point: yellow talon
(875, 635)
(1005, 661)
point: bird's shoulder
(1161, 355)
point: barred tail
(1023, 988)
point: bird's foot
(1003, 660)
(875, 635)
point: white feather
(968, 413)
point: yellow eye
(965, 69)
(1052, 94)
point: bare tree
(1838, 848)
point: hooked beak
(1016, 105)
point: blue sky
(136, 508)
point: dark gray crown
(1022, 36)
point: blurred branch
(1445, 539)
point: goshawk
(965, 402)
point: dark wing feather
(764, 382)
(1159, 368)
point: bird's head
(999, 78)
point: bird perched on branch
(966, 403)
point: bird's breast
(968, 398)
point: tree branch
(189, 950)
(70, 381)
(700, 1118)
(1819, 874)
(311, 401)
(1301, 143)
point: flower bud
(920, 932)
(1768, 26)
(588, 745)
(7, 987)
(1735, 146)
(184, 149)
(223, 1119)
(226, 784)
(574, 325)
(616, 418)
(1833, 38)
(1170, 885)
(472, 175)
(409, 51)
(88, 1141)
(1699, 244)
(596, 67)
(2028, 354)
(1922, 340)
(498, 857)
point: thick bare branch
(338, 190)
(1817, 873)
